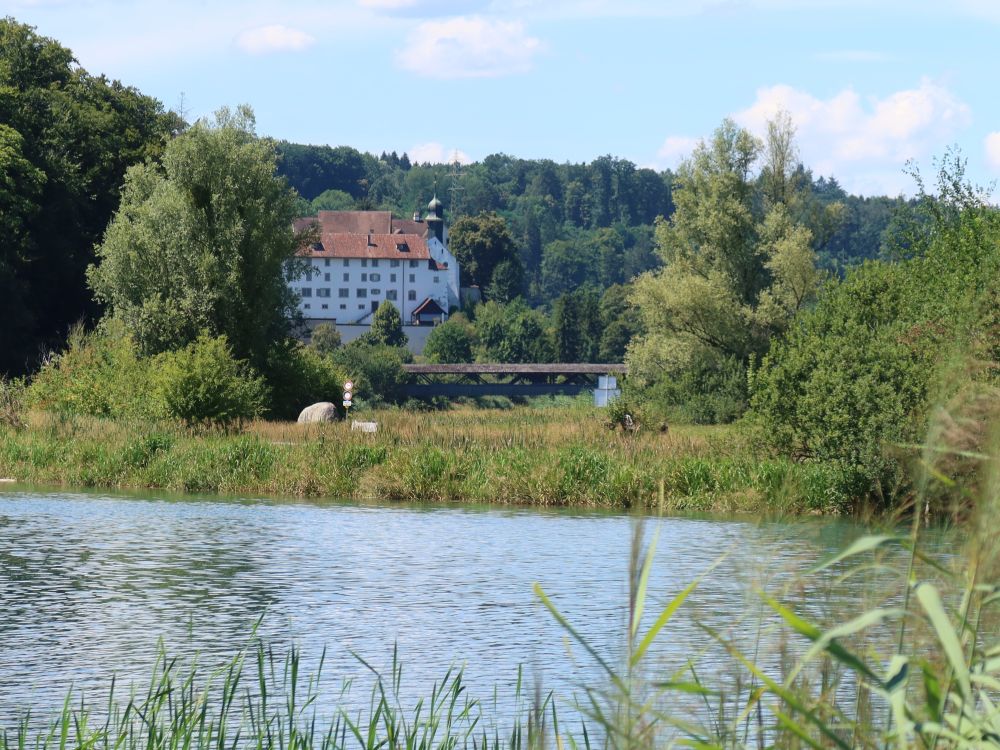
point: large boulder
(324, 411)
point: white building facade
(363, 258)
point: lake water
(90, 583)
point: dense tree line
(554, 248)
(66, 139)
(572, 224)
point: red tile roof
(363, 234)
(399, 246)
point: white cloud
(992, 144)
(275, 38)
(469, 47)
(435, 153)
(675, 149)
(867, 138)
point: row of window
(393, 263)
(307, 306)
(370, 277)
(307, 292)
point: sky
(870, 84)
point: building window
(309, 274)
(323, 292)
(343, 293)
(306, 305)
(326, 262)
(343, 307)
(362, 307)
(394, 263)
(364, 262)
(376, 292)
(347, 277)
(362, 293)
(306, 291)
(364, 277)
(375, 263)
(325, 306)
(390, 294)
(413, 263)
(411, 295)
(326, 277)
(392, 278)
(374, 277)
(413, 278)
(347, 262)
(437, 279)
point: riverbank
(523, 456)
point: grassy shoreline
(521, 456)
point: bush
(299, 376)
(847, 380)
(711, 390)
(205, 383)
(856, 376)
(100, 374)
(325, 338)
(12, 403)
(451, 342)
(377, 370)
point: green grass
(523, 455)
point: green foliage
(12, 395)
(100, 373)
(202, 243)
(387, 326)
(331, 200)
(66, 139)
(451, 342)
(325, 338)
(318, 171)
(737, 269)
(577, 326)
(620, 323)
(860, 372)
(298, 376)
(711, 389)
(481, 244)
(512, 333)
(203, 383)
(506, 282)
(376, 369)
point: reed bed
(527, 456)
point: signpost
(348, 395)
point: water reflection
(89, 584)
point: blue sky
(869, 84)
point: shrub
(325, 338)
(712, 389)
(299, 376)
(856, 376)
(377, 370)
(451, 342)
(205, 383)
(11, 403)
(100, 373)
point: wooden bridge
(476, 380)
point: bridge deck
(506, 380)
(532, 369)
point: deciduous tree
(203, 243)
